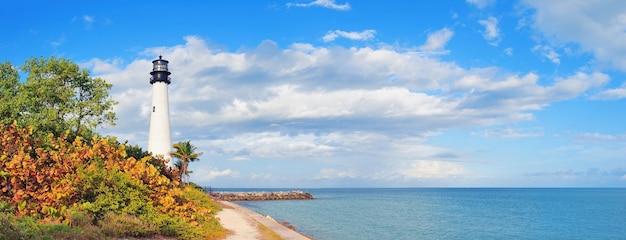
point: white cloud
(598, 136)
(322, 3)
(360, 36)
(491, 33)
(611, 94)
(589, 139)
(270, 145)
(331, 173)
(594, 27)
(341, 109)
(480, 4)
(99, 66)
(60, 40)
(524, 93)
(262, 176)
(428, 169)
(507, 132)
(571, 174)
(508, 51)
(205, 175)
(239, 158)
(547, 52)
(385, 102)
(437, 40)
(88, 21)
(261, 85)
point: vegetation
(185, 153)
(60, 180)
(55, 97)
(267, 233)
(94, 181)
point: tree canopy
(185, 152)
(55, 96)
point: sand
(242, 222)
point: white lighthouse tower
(159, 140)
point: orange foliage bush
(41, 177)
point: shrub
(7, 229)
(17, 228)
(114, 225)
(5, 207)
(88, 183)
(110, 190)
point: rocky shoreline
(262, 196)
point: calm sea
(451, 213)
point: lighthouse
(159, 140)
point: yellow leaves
(45, 210)
(167, 201)
(25, 164)
(21, 206)
(123, 149)
(43, 180)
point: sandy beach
(244, 223)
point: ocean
(452, 213)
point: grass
(267, 233)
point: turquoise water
(448, 213)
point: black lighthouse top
(159, 71)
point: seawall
(262, 196)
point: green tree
(56, 96)
(9, 88)
(185, 153)
(135, 151)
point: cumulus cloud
(310, 104)
(270, 145)
(205, 175)
(322, 3)
(491, 32)
(524, 92)
(611, 94)
(436, 41)
(360, 36)
(593, 27)
(429, 169)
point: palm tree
(186, 153)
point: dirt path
(242, 227)
(243, 222)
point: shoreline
(242, 229)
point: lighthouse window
(160, 67)
(153, 107)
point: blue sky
(323, 93)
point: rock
(262, 196)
